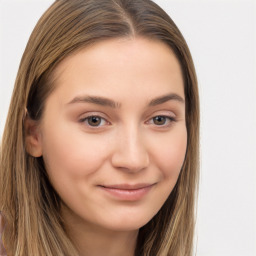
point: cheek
(71, 156)
(170, 154)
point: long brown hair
(30, 205)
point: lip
(127, 192)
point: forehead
(121, 64)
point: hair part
(30, 204)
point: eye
(162, 120)
(159, 120)
(94, 121)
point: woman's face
(113, 135)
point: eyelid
(172, 119)
(166, 114)
(93, 114)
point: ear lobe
(32, 137)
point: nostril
(130, 162)
(130, 151)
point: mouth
(127, 192)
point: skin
(127, 146)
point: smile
(127, 192)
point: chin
(128, 223)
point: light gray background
(221, 36)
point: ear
(32, 137)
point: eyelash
(168, 119)
(86, 119)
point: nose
(130, 153)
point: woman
(100, 150)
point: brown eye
(160, 120)
(94, 120)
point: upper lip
(128, 186)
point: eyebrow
(96, 100)
(110, 103)
(165, 98)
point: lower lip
(127, 194)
